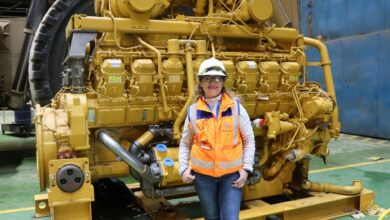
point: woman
(217, 148)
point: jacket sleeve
(248, 139)
(185, 147)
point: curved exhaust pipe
(148, 174)
(146, 138)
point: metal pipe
(159, 73)
(265, 155)
(117, 149)
(191, 91)
(355, 189)
(146, 138)
(211, 7)
(126, 25)
(298, 154)
(326, 67)
(131, 160)
(270, 172)
(137, 145)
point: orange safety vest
(217, 146)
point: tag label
(252, 64)
(91, 115)
(115, 63)
(114, 79)
(293, 78)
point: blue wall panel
(341, 18)
(359, 95)
(360, 54)
(332, 18)
(364, 16)
(387, 15)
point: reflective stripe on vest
(232, 164)
(210, 165)
(203, 164)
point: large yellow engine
(130, 76)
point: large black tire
(48, 49)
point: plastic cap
(161, 147)
(168, 162)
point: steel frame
(317, 206)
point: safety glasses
(215, 79)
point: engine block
(130, 76)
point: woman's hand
(240, 182)
(187, 177)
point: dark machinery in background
(14, 50)
(46, 68)
(45, 77)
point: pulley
(70, 178)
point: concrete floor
(352, 157)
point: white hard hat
(212, 67)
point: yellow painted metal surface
(63, 204)
(42, 207)
(326, 206)
(140, 78)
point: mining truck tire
(49, 48)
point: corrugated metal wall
(357, 34)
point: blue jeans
(218, 198)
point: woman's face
(211, 85)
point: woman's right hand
(187, 176)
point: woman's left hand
(240, 182)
